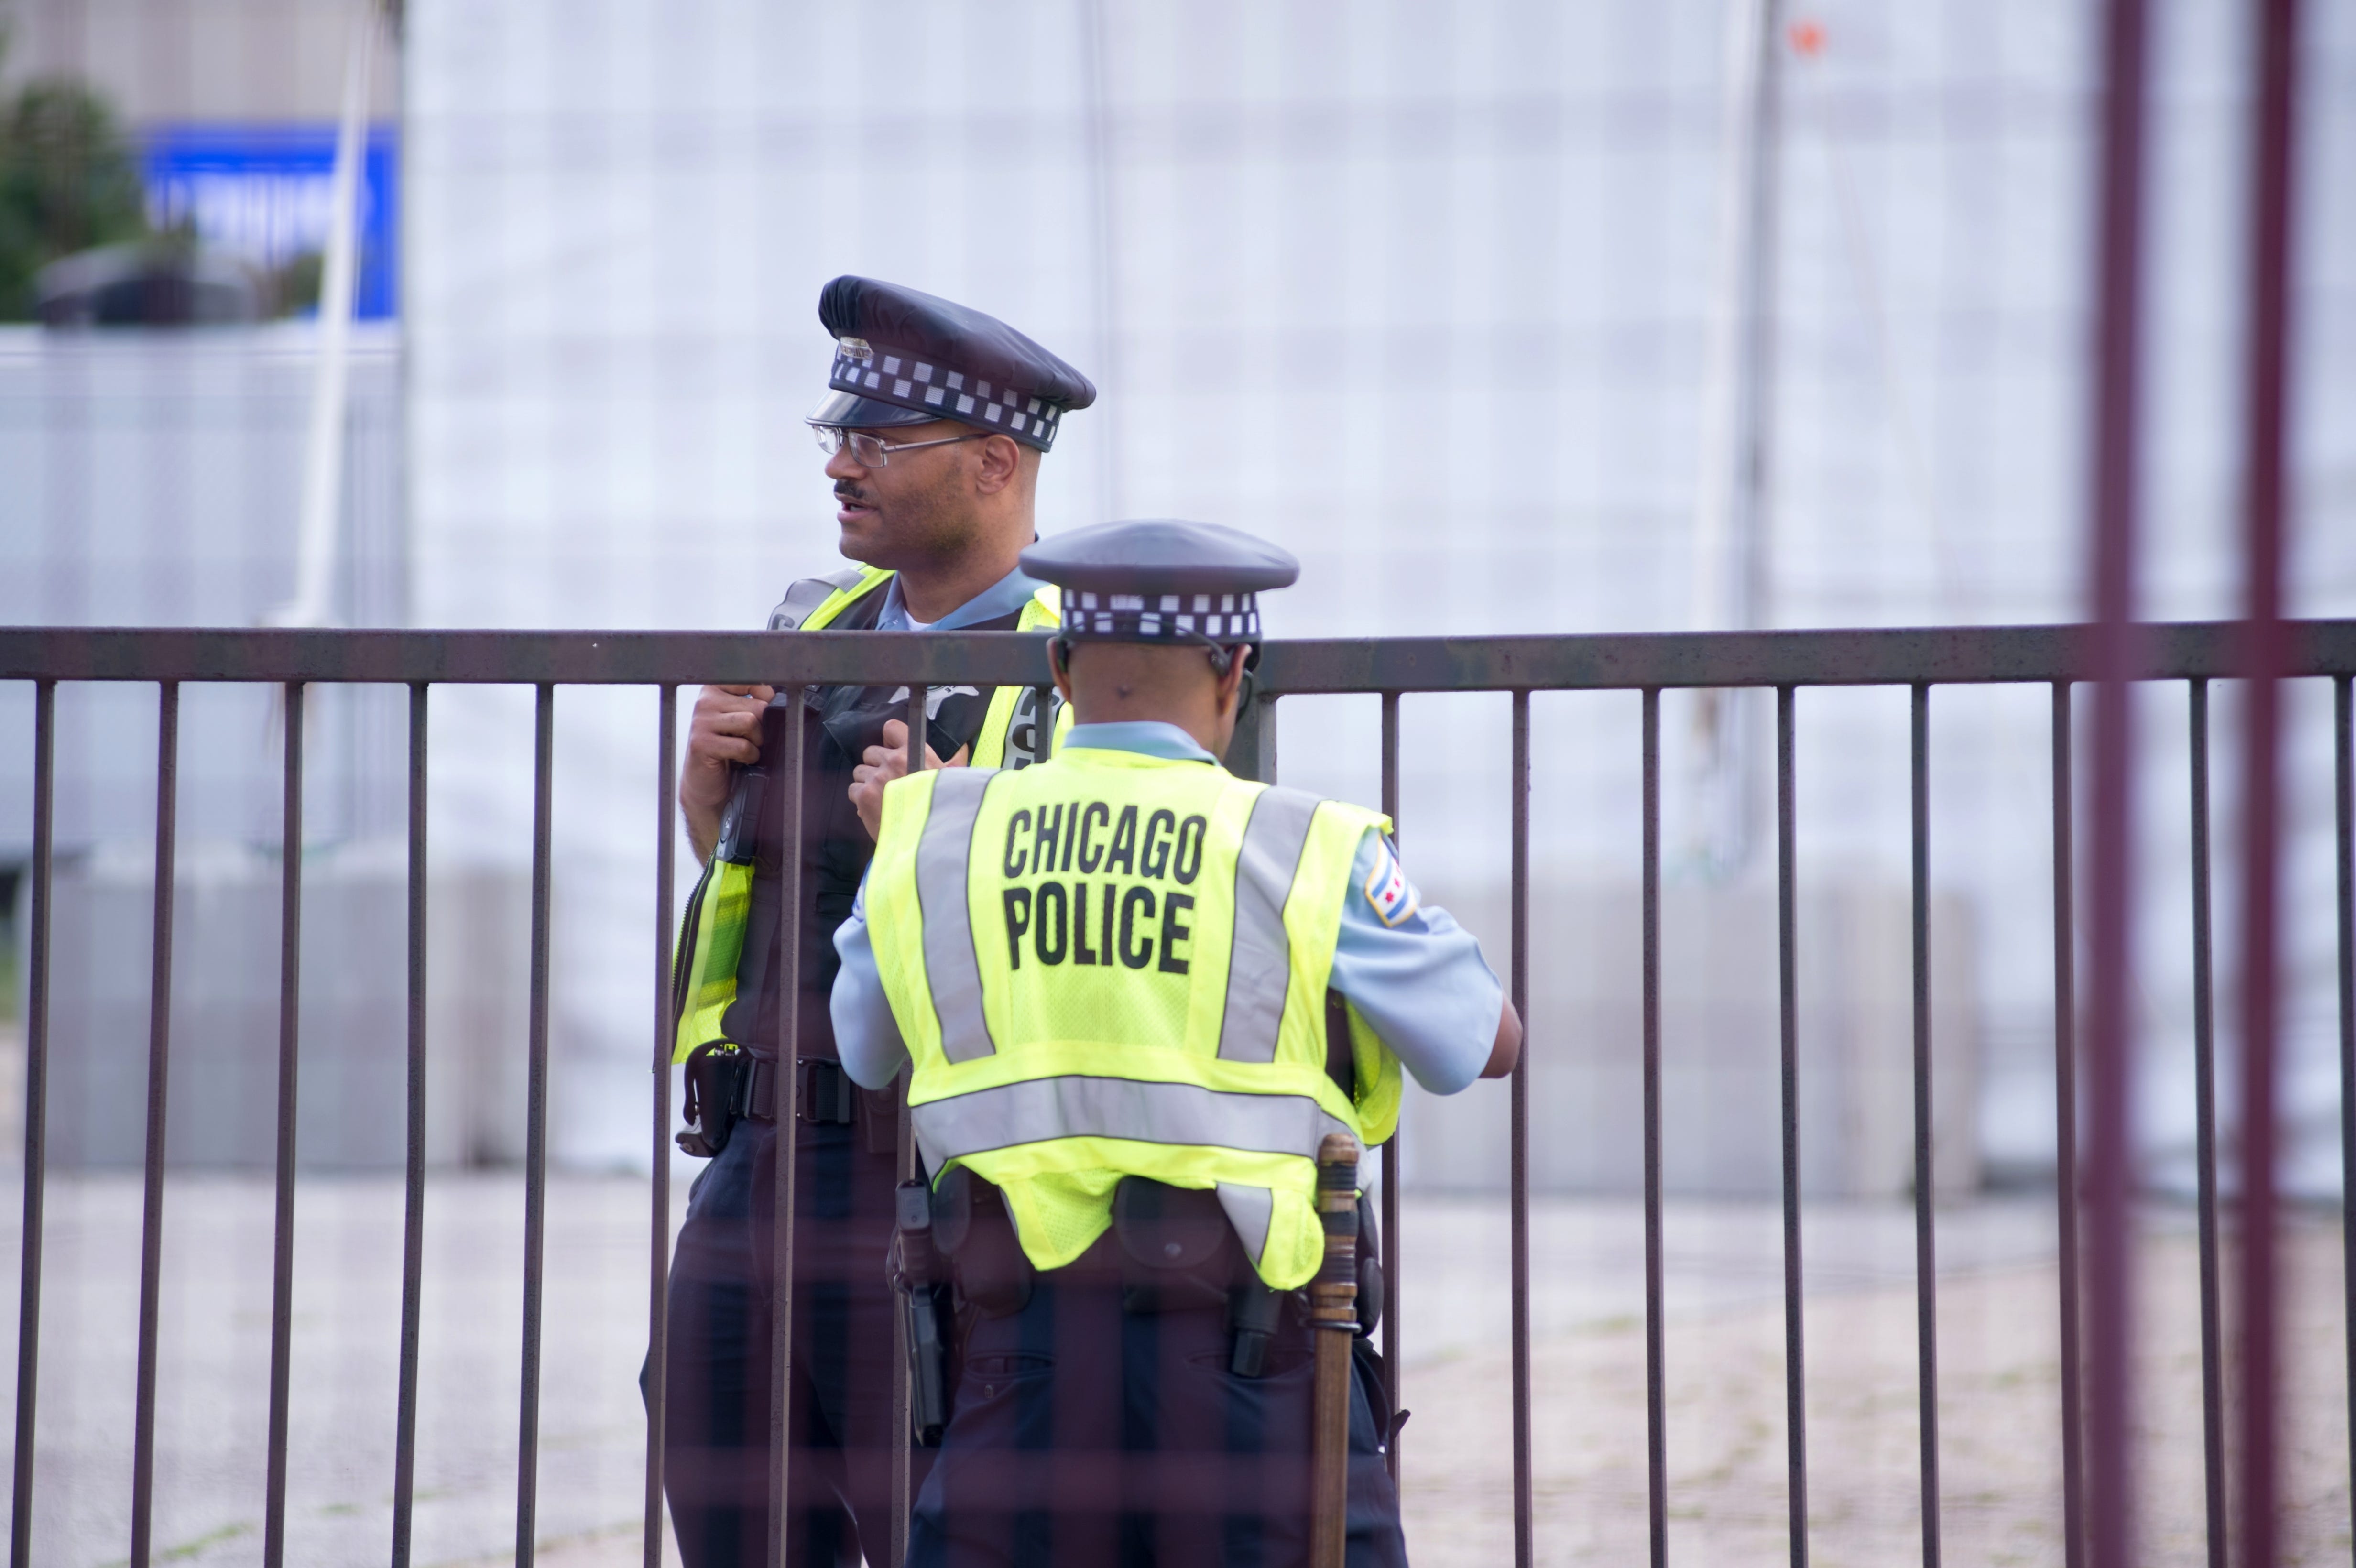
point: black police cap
(1161, 580)
(903, 358)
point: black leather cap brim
(852, 411)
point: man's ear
(1232, 678)
(1059, 661)
(997, 461)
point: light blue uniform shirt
(1417, 977)
(1004, 597)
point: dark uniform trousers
(716, 1420)
(1084, 1436)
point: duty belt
(827, 1098)
(727, 1084)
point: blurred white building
(1425, 295)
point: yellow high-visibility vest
(1115, 965)
(712, 936)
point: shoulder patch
(805, 596)
(1387, 888)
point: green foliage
(69, 181)
(292, 289)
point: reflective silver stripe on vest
(1039, 1110)
(1259, 962)
(1249, 1210)
(951, 968)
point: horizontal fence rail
(2058, 657)
(1906, 656)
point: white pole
(1718, 578)
(1729, 520)
(323, 454)
(1096, 74)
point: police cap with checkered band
(1160, 580)
(903, 358)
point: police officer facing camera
(1137, 993)
(933, 427)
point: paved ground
(2000, 1437)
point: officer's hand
(884, 763)
(725, 729)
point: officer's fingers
(867, 799)
(891, 761)
(895, 733)
(716, 699)
(711, 744)
(745, 720)
(721, 699)
(719, 749)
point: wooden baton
(1333, 1322)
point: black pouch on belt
(1178, 1251)
(1174, 1251)
(970, 1225)
(717, 1075)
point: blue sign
(261, 191)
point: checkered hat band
(919, 383)
(1162, 617)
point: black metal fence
(1392, 668)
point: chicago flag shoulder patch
(1387, 888)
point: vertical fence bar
(658, 1221)
(2065, 1129)
(2267, 430)
(1042, 727)
(1393, 1377)
(1524, 1502)
(36, 1116)
(2110, 1286)
(535, 1136)
(786, 1187)
(2204, 1102)
(159, 1045)
(412, 1210)
(1796, 1376)
(1656, 1381)
(282, 1258)
(2343, 716)
(1926, 1272)
(904, 1458)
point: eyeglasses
(870, 451)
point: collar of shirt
(1004, 597)
(1147, 736)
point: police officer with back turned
(936, 419)
(1139, 992)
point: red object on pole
(2268, 410)
(2108, 1168)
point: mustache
(845, 490)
